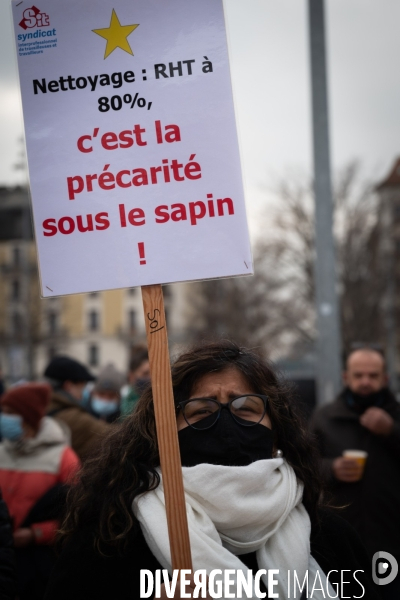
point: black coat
(35, 562)
(371, 504)
(8, 571)
(83, 574)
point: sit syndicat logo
(32, 17)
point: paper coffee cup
(359, 455)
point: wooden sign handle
(167, 434)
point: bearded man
(366, 417)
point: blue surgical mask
(11, 427)
(87, 390)
(104, 408)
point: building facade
(96, 328)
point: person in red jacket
(36, 465)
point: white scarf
(237, 510)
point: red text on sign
(81, 223)
(135, 216)
(194, 211)
(108, 180)
(111, 141)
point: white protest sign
(132, 146)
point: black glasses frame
(227, 405)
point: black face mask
(359, 403)
(141, 384)
(225, 443)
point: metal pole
(328, 322)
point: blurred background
(275, 309)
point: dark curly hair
(124, 466)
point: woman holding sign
(251, 488)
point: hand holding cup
(350, 467)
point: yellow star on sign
(116, 35)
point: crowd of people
(47, 431)
(82, 508)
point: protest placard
(134, 166)
(131, 139)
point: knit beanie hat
(109, 380)
(29, 400)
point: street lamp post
(328, 321)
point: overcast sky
(270, 71)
